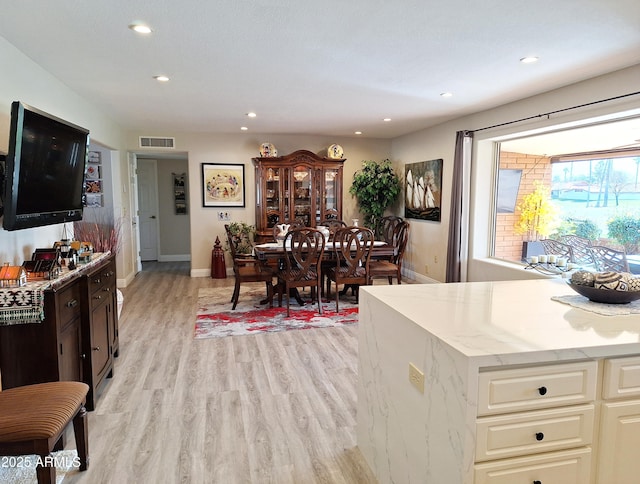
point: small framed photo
(223, 185)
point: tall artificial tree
(376, 186)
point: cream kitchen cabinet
(518, 388)
(618, 459)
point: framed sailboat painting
(423, 190)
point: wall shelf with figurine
(93, 184)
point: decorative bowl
(608, 296)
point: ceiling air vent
(156, 142)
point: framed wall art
(179, 193)
(223, 185)
(423, 190)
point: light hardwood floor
(266, 408)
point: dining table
(273, 252)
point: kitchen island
(518, 388)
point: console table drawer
(621, 378)
(103, 277)
(520, 389)
(533, 432)
(68, 304)
(565, 467)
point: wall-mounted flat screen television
(45, 169)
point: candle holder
(551, 268)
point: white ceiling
(325, 67)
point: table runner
(23, 305)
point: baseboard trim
(422, 279)
(174, 258)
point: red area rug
(215, 318)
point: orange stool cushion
(39, 411)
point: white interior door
(148, 209)
(133, 194)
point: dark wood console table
(78, 337)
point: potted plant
(376, 186)
(537, 219)
(242, 235)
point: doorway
(148, 209)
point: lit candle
(542, 258)
(534, 259)
(552, 259)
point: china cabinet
(301, 187)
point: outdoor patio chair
(608, 259)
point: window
(587, 189)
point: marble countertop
(510, 322)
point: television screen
(45, 169)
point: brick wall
(534, 167)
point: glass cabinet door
(273, 201)
(331, 194)
(301, 194)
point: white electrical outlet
(416, 377)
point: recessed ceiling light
(358, 132)
(161, 78)
(252, 115)
(386, 120)
(529, 59)
(140, 28)
(446, 94)
(244, 128)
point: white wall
(23, 80)
(428, 240)
(173, 229)
(240, 148)
(27, 82)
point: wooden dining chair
(352, 252)
(304, 249)
(386, 227)
(333, 225)
(393, 267)
(608, 259)
(247, 268)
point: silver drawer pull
(97, 297)
(106, 289)
(96, 348)
(71, 303)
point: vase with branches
(103, 232)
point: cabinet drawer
(565, 467)
(104, 276)
(68, 303)
(533, 432)
(621, 378)
(537, 387)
